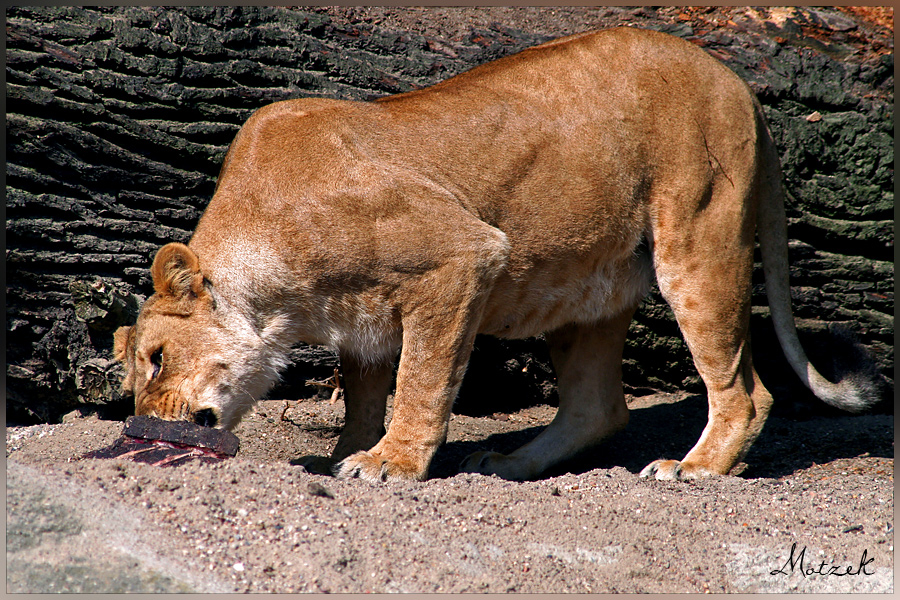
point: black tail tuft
(855, 372)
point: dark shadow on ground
(670, 431)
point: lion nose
(206, 417)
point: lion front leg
(366, 387)
(365, 400)
(436, 349)
(440, 313)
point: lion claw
(354, 467)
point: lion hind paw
(501, 465)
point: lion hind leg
(709, 293)
(588, 364)
(737, 414)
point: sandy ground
(258, 523)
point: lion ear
(121, 338)
(123, 348)
(176, 272)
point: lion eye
(206, 417)
(156, 359)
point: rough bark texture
(118, 119)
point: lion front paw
(675, 470)
(501, 465)
(375, 467)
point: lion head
(190, 356)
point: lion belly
(553, 293)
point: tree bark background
(118, 119)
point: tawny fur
(537, 193)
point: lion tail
(857, 384)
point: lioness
(538, 193)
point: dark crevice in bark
(118, 119)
